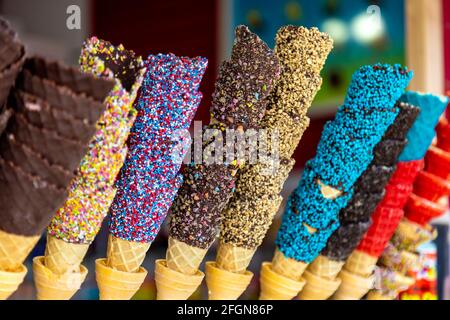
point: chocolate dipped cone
(39, 113)
(32, 162)
(80, 106)
(321, 279)
(57, 149)
(13, 251)
(120, 276)
(178, 277)
(10, 47)
(227, 277)
(78, 82)
(281, 279)
(8, 77)
(5, 115)
(26, 198)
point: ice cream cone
(360, 263)
(13, 251)
(184, 258)
(10, 281)
(174, 285)
(326, 268)
(117, 285)
(233, 259)
(126, 256)
(410, 235)
(225, 285)
(281, 279)
(377, 295)
(53, 286)
(62, 257)
(120, 275)
(277, 287)
(318, 288)
(353, 286)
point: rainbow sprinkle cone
(249, 214)
(59, 274)
(149, 180)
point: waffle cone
(318, 288)
(360, 263)
(62, 257)
(225, 285)
(174, 285)
(353, 286)
(377, 295)
(117, 285)
(53, 286)
(10, 281)
(275, 286)
(126, 256)
(184, 258)
(287, 267)
(233, 259)
(325, 268)
(14, 249)
(410, 235)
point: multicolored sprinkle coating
(344, 152)
(239, 102)
(92, 191)
(149, 179)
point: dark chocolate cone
(75, 80)
(5, 115)
(57, 149)
(40, 114)
(33, 163)
(26, 202)
(8, 77)
(62, 98)
(10, 47)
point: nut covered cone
(174, 285)
(52, 286)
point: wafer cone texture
(13, 251)
(184, 258)
(117, 285)
(281, 279)
(53, 286)
(174, 285)
(225, 285)
(126, 256)
(233, 259)
(178, 277)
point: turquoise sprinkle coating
(422, 133)
(344, 152)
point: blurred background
(364, 32)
